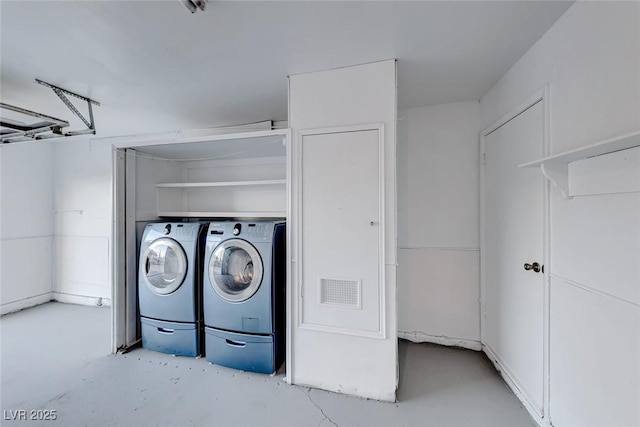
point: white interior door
(513, 322)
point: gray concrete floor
(56, 357)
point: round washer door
(164, 266)
(235, 270)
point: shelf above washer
(221, 184)
(556, 168)
(228, 214)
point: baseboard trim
(12, 307)
(81, 299)
(420, 337)
(513, 385)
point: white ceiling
(154, 66)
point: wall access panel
(342, 208)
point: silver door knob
(536, 267)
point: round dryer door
(235, 270)
(164, 266)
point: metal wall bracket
(91, 128)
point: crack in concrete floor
(326, 417)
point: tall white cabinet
(343, 322)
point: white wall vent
(340, 292)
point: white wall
(56, 223)
(149, 172)
(591, 59)
(82, 206)
(26, 224)
(438, 248)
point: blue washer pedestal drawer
(180, 339)
(248, 352)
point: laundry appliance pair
(218, 287)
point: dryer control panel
(251, 231)
(182, 231)
(186, 229)
(255, 231)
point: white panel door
(341, 225)
(513, 237)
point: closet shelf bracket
(558, 175)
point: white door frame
(118, 304)
(123, 287)
(542, 96)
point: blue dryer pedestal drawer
(247, 352)
(180, 339)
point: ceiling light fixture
(194, 5)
